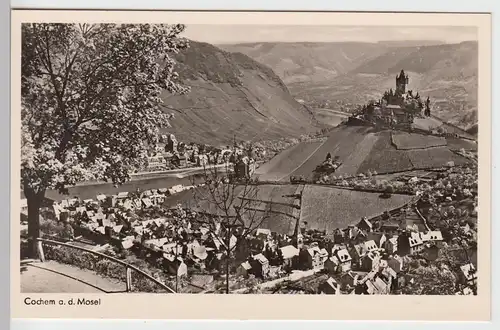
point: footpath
(53, 277)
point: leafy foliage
(90, 99)
(431, 280)
(106, 268)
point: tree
(388, 191)
(91, 102)
(231, 208)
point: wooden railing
(128, 268)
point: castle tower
(401, 82)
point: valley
(362, 71)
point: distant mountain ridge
(309, 61)
(410, 43)
(341, 75)
(232, 96)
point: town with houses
(373, 256)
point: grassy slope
(360, 149)
(384, 157)
(232, 94)
(341, 142)
(282, 218)
(406, 141)
(330, 208)
(285, 162)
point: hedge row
(101, 266)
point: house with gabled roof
(263, 234)
(138, 230)
(101, 230)
(117, 229)
(170, 247)
(174, 265)
(370, 246)
(81, 209)
(365, 225)
(349, 280)
(468, 274)
(147, 202)
(345, 260)
(260, 265)
(330, 286)
(354, 235)
(378, 237)
(332, 265)
(395, 262)
(290, 255)
(360, 250)
(337, 247)
(377, 286)
(90, 214)
(122, 195)
(128, 204)
(64, 204)
(306, 257)
(146, 193)
(391, 245)
(157, 243)
(371, 260)
(390, 227)
(410, 243)
(432, 236)
(244, 269)
(315, 257)
(127, 242)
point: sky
(226, 34)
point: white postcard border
(293, 306)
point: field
(277, 193)
(434, 157)
(362, 149)
(326, 208)
(456, 130)
(286, 162)
(282, 219)
(426, 123)
(406, 141)
(341, 142)
(278, 200)
(385, 158)
(357, 156)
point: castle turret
(401, 82)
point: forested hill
(232, 95)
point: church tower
(401, 82)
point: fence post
(129, 279)
(40, 251)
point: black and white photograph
(248, 159)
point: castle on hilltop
(397, 107)
(401, 81)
